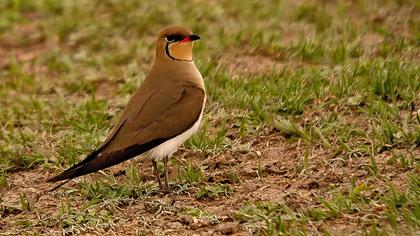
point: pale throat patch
(181, 50)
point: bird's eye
(174, 38)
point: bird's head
(175, 43)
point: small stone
(189, 220)
(249, 171)
(251, 186)
(175, 225)
(207, 233)
(228, 228)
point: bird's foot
(163, 187)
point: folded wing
(163, 116)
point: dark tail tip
(56, 187)
(55, 179)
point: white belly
(170, 146)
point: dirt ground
(265, 172)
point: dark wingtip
(68, 174)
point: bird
(160, 116)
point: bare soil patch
(269, 173)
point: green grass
(338, 80)
(273, 218)
(214, 191)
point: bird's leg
(165, 164)
(157, 174)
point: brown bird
(162, 114)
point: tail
(100, 160)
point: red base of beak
(186, 39)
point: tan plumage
(163, 112)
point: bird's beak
(190, 38)
(194, 37)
